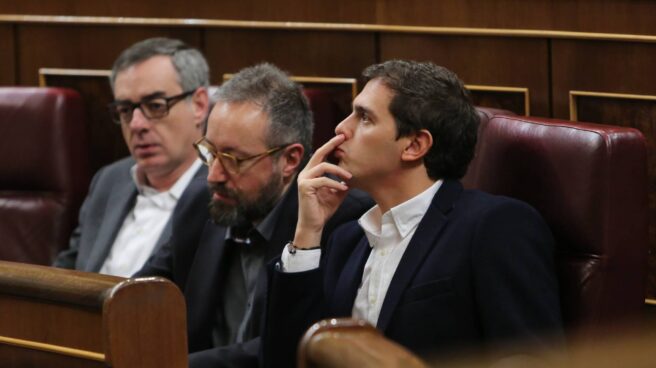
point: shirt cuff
(302, 260)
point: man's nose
(139, 121)
(216, 173)
(344, 127)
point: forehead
(375, 97)
(154, 75)
(236, 125)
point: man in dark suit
(258, 136)
(435, 267)
(161, 103)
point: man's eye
(155, 106)
(123, 109)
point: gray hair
(188, 62)
(290, 117)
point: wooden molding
(352, 82)
(502, 89)
(50, 348)
(573, 108)
(44, 72)
(349, 27)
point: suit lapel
(285, 224)
(203, 284)
(120, 201)
(350, 279)
(197, 184)
(422, 242)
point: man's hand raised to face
(319, 195)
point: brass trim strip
(650, 301)
(523, 90)
(350, 27)
(57, 349)
(328, 80)
(43, 72)
(573, 107)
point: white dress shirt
(143, 225)
(389, 235)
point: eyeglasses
(231, 163)
(151, 107)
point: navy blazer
(196, 258)
(478, 271)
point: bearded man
(258, 137)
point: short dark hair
(290, 117)
(189, 63)
(431, 97)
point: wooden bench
(61, 318)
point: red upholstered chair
(43, 171)
(589, 182)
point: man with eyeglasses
(258, 137)
(160, 103)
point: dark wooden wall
(602, 46)
(614, 16)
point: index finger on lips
(322, 152)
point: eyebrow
(363, 110)
(156, 94)
(231, 150)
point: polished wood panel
(85, 47)
(310, 53)
(600, 66)
(636, 112)
(592, 16)
(515, 99)
(481, 60)
(54, 318)
(7, 50)
(347, 342)
(106, 143)
(620, 16)
(286, 10)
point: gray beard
(245, 211)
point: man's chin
(221, 200)
(225, 215)
(150, 165)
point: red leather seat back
(589, 181)
(43, 171)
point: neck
(395, 189)
(164, 181)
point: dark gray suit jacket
(112, 195)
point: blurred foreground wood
(61, 318)
(349, 343)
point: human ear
(291, 159)
(417, 146)
(200, 104)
